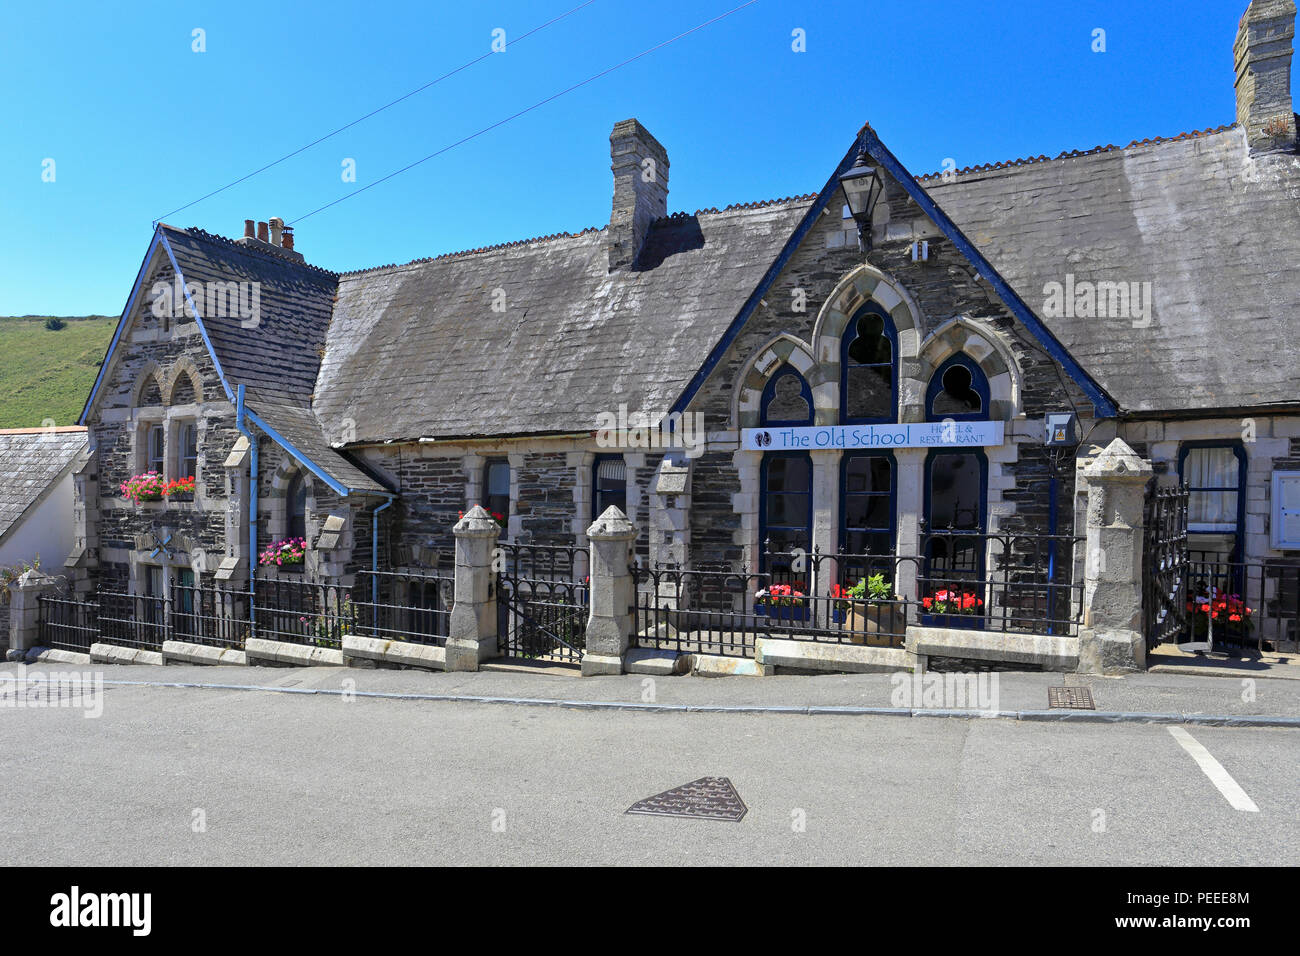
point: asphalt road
(304, 779)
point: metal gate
(543, 603)
(1164, 565)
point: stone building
(838, 371)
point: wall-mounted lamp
(862, 187)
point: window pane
(155, 462)
(870, 392)
(955, 492)
(787, 510)
(1217, 508)
(498, 478)
(1210, 468)
(957, 397)
(788, 474)
(787, 402)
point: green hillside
(46, 374)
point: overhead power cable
(527, 109)
(374, 112)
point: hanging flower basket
(289, 553)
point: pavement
(215, 776)
(1138, 694)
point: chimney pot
(640, 166)
(288, 238)
(262, 232)
(1262, 56)
(277, 230)
(248, 229)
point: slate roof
(1216, 232)
(417, 351)
(277, 360)
(31, 460)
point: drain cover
(709, 798)
(1070, 698)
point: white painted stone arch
(754, 375)
(989, 349)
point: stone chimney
(1263, 59)
(640, 168)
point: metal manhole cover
(1070, 698)
(709, 798)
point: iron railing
(67, 624)
(543, 602)
(1239, 605)
(1164, 557)
(403, 606)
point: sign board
(855, 437)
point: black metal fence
(999, 582)
(1239, 605)
(67, 624)
(543, 603)
(1165, 602)
(395, 606)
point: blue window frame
(1215, 475)
(608, 484)
(787, 399)
(495, 496)
(958, 390)
(869, 368)
(785, 518)
(867, 503)
(956, 516)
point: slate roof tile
(30, 461)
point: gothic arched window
(869, 368)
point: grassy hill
(46, 374)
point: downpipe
(374, 551)
(244, 430)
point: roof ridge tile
(1073, 153)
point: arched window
(296, 508)
(869, 368)
(787, 400)
(958, 390)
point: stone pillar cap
(35, 578)
(477, 522)
(1118, 461)
(612, 524)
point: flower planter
(865, 622)
(969, 622)
(783, 612)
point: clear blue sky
(138, 124)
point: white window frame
(1276, 523)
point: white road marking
(1230, 789)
